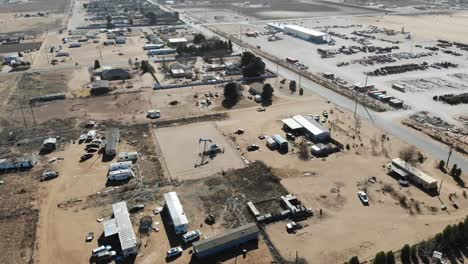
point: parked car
(48, 175)
(253, 147)
(152, 114)
(363, 197)
(261, 109)
(102, 248)
(86, 156)
(191, 236)
(317, 118)
(175, 251)
(90, 237)
(106, 255)
(290, 136)
(82, 138)
(325, 114)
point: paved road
(387, 121)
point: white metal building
(176, 212)
(310, 128)
(305, 33)
(122, 226)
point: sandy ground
(16, 22)
(181, 150)
(58, 242)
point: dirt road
(61, 231)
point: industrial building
(231, 239)
(122, 226)
(112, 143)
(311, 128)
(305, 33)
(111, 74)
(99, 87)
(174, 208)
(18, 163)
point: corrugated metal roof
(311, 32)
(413, 170)
(291, 123)
(110, 227)
(311, 125)
(122, 218)
(219, 240)
(175, 209)
(112, 140)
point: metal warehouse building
(228, 240)
(309, 127)
(306, 33)
(122, 226)
(176, 212)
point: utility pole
(22, 113)
(449, 154)
(32, 113)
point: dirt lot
(34, 6)
(17, 22)
(185, 164)
(215, 195)
(19, 215)
(285, 10)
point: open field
(53, 6)
(279, 10)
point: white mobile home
(407, 170)
(128, 156)
(120, 165)
(178, 218)
(120, 175)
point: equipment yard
(233, 132)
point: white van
(91, 135)
(128, 156)
(120, 175)
(191, 235)
(120, 165)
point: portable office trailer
(178, 218)
(153, 46)
(416, 175)
(225, 241)
(128, 156)
(282, 143)
(161, 51)
(120, 175)
(120, 165)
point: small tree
(453, 172)
(246, 58)
(414, 254)
(292, 86)
(354, 260)
(232, 93)
(267, 93)
(97, 64)
(304, 152)
(199, 38)
(442, 165)
(390, 257)
(409, 155)
(109, 24)
(405, 254)
(255, 68)
(458, 173)
(380, 258)
(146, 67)
(301, 91)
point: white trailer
(120, 165)
(128, 156)
(120, 175)
(406, 170)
